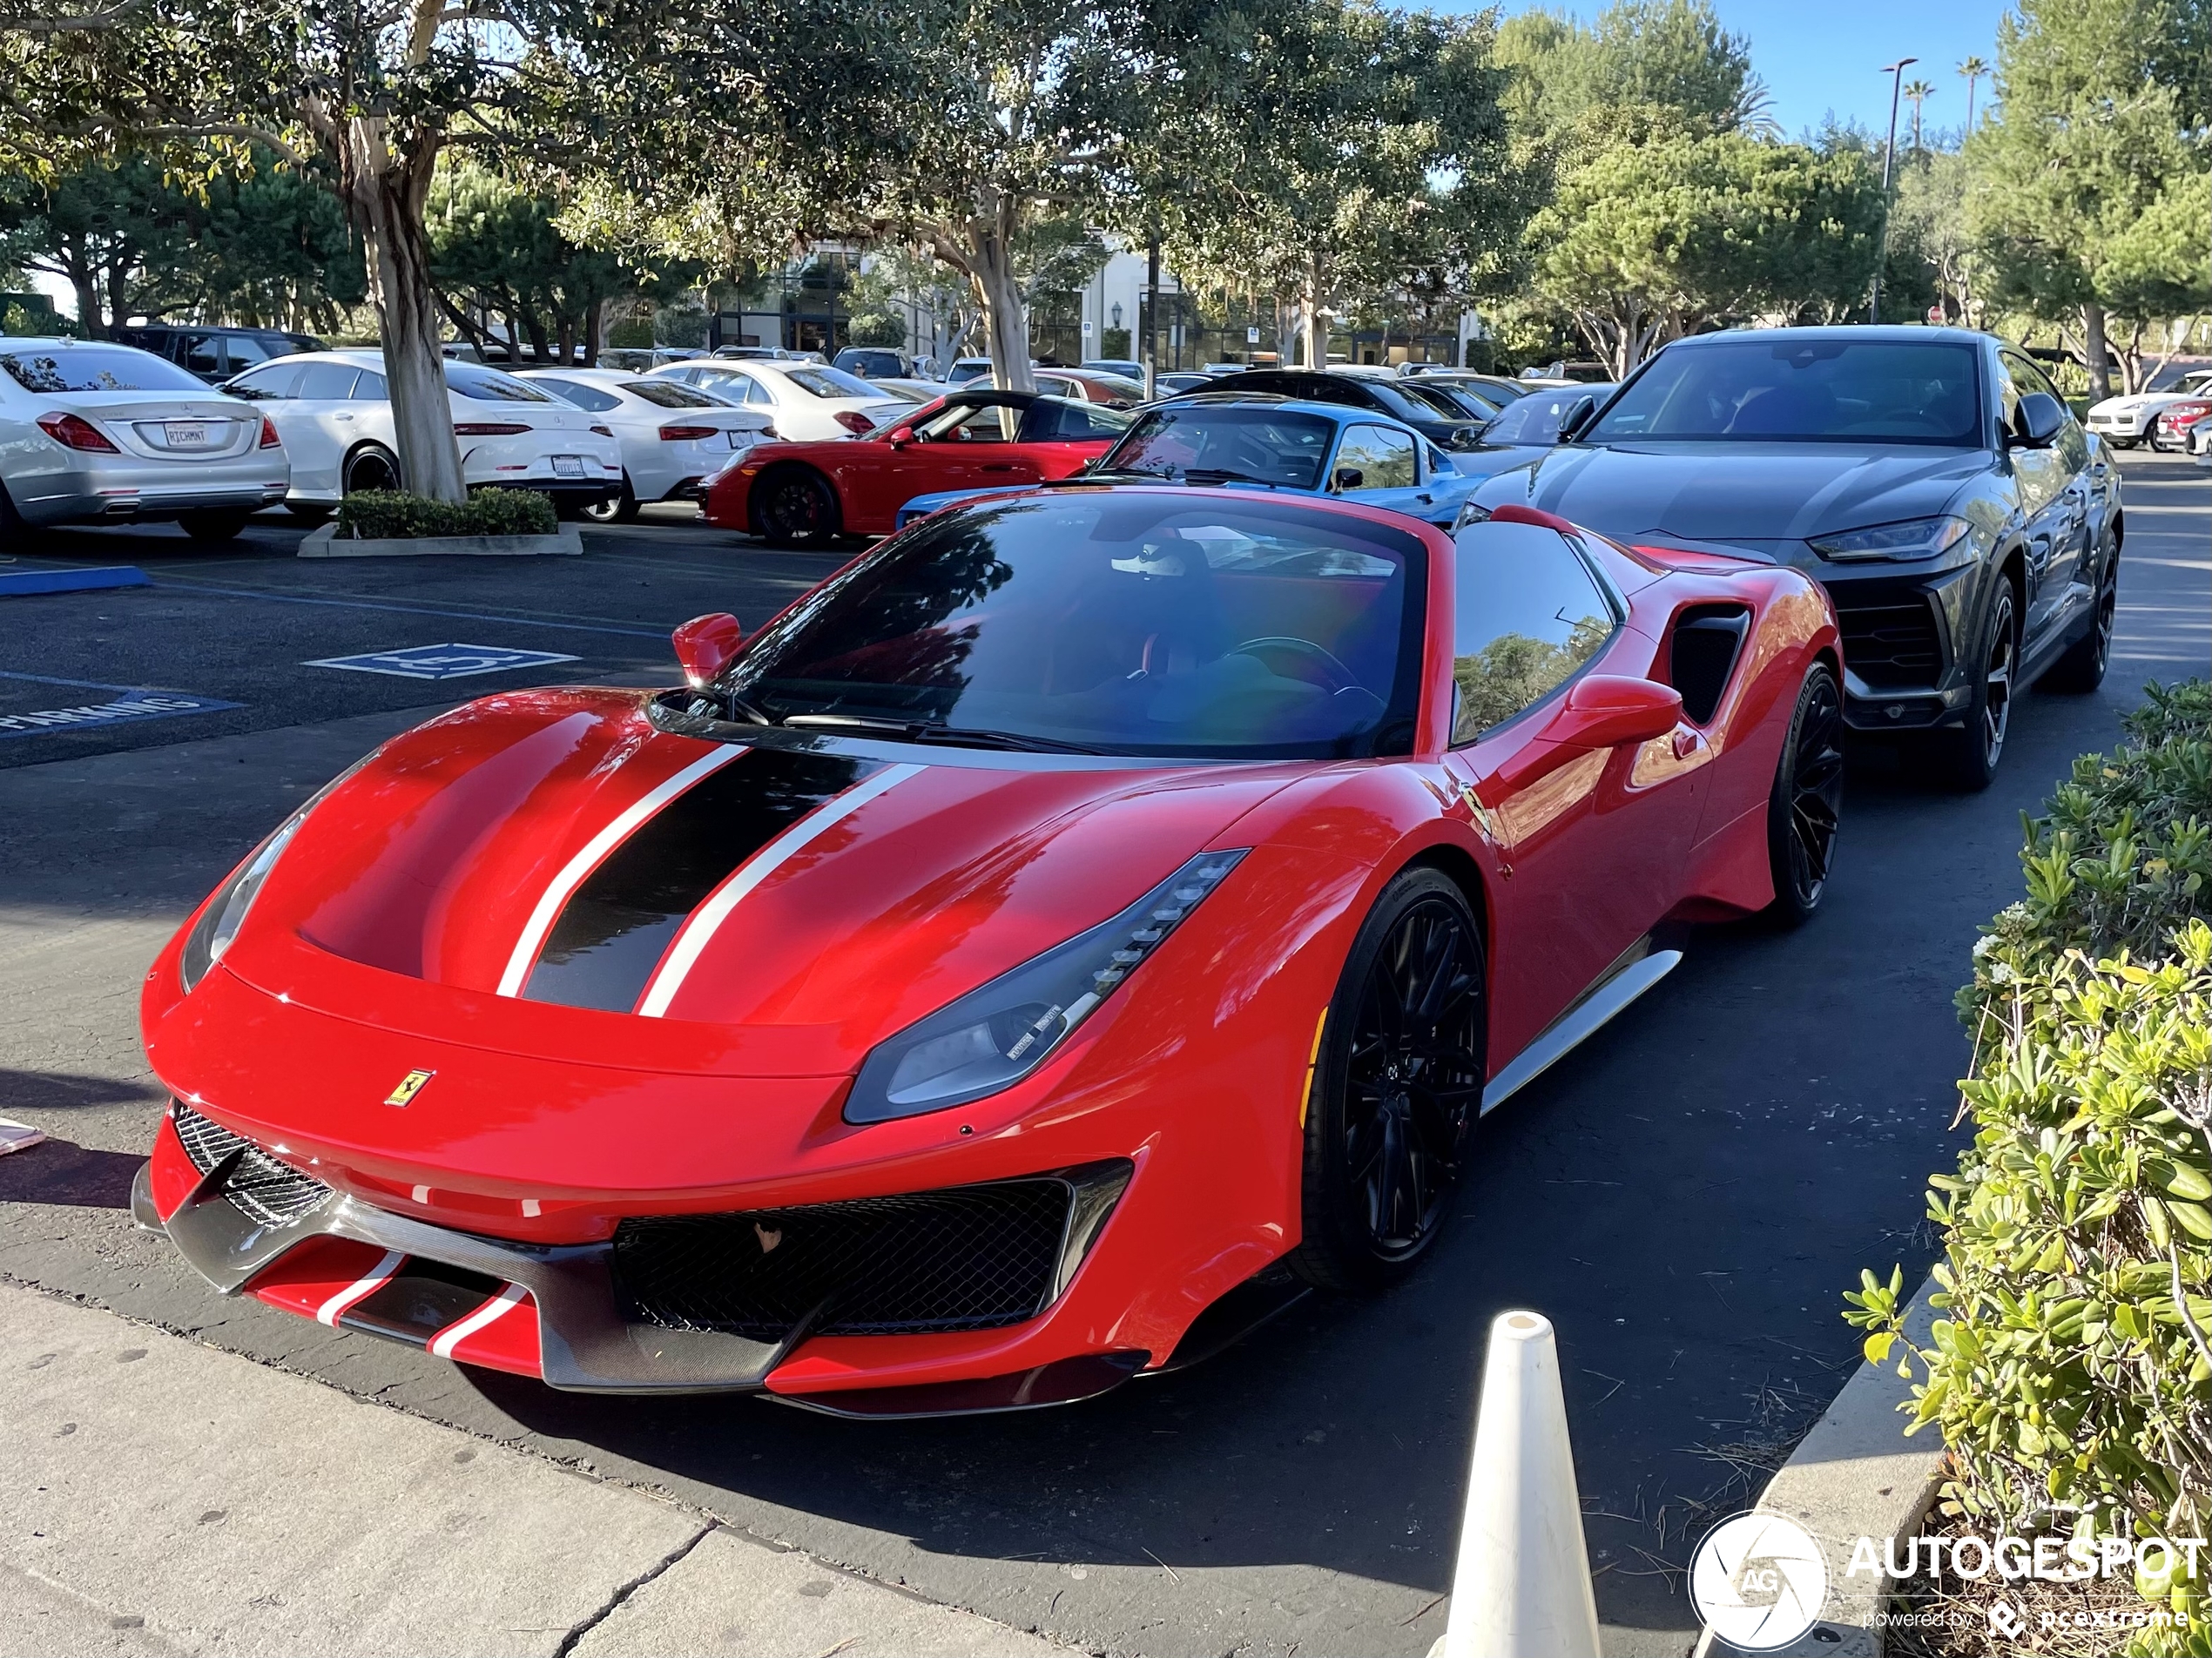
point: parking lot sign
(442, 661)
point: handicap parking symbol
(442, 661)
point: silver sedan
(92, 432)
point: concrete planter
(324, 543)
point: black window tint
(370, 388)
(489, 385)
(1529, 617)
(1050, 420)
(276, 381)
(583, 396)
(203, 354)
(667, 395)
(1796, 390)
(331, 380)
(245, 350)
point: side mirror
(1604, 710)
(1350, 478)
(2041, 417)
(705, 646)
(1577, 418)
(900, 438)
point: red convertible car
(808, 494)
(1083, 913)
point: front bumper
(1902, 660)
(568, 1314)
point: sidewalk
(160, 1497)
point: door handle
(1000, 466)
(345, 417)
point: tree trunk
(595, 332)
(1313, 331)
(384, 193)
(1005, 319)
(2100, 357)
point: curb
(324, 543)
(21, 583)
(1855, 1475)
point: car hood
(1735, 492)
(555, 853)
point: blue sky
(1818, 58)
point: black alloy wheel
(370, 466)
(1806, 806)
(1967, 756)
(2082, 668)
(795, 506)
(1396, 1088)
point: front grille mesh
(968, 1258)
(1892, 646)
(265, 1192)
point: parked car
(2177, 424)
(911, 391)
(1238, 441)
(1525, 428)
(809, 402)
(808, 494)
(333, 409)
(1493, 389)
(1090, 386)
(1587, 374)
(95, 432)
(1126, 368)
(673, 437)
(1180, 381)
(1384, 395)
(965, 370)
(873, 362)
(2126, 422)
(214, 354)
(987, 982)
(1931, 479)
(1451, 400)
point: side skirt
(1583, 1019)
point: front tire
(1802, 812)
(1966, 758)
(795, 506)
(1396, 1088)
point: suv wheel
(1967, 758)
(2082, 668)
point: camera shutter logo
(1759, 1582)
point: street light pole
(1896, 72)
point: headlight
(1915, 538)
(999, 1033)
(1470, 514)
(226, 913)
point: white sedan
(673, 437)
(92, 432)
(333, 411)
(2126, 422)
(809, 402)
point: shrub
(394, 515)
(2071, 1370)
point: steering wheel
(1300, 653)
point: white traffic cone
(1522, 1587)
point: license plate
(186, 435)
(568, 466)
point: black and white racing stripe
(626, 931)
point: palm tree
(1918, 91)
(1974, 68)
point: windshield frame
(1393, 734)
(1595, 435)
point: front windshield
(1534, 420)
(1250, 445)
(1795, 390)
(1123, 623)
(97, 368)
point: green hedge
(394, 515)
(2071, 1370)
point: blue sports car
(1254, 441)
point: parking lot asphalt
(1685, 1197)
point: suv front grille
(966, 1258)
(1892, 644)
(265, 1192)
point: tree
(1917, 92)
(1331, 152)
(1972, 69)
(1646, 242)
(1576, 88)
(2099, 107)
(108, 228)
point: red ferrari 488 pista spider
(1087, 907)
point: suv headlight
(998, 1033)
(1914, 538)
(226, 913)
